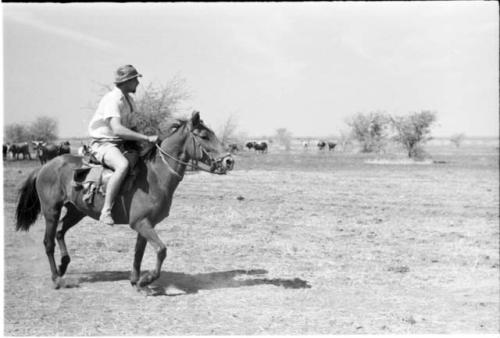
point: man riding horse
(108, 130)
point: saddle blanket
(93, 177)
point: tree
(227, 131)
(158, 103)
(371, 130)
(44, 128)
(457, 139)
(412, 131)
(345, 139)
(16, 132)
(284, 137)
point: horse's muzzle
(222, 165)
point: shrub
(284, 137)
(44, 129)
(16, 132)
(457, 139)
(156, 104)
(413, 131)
(371, 130)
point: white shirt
(113, 104)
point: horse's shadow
(189, 284)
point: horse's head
(193, 140)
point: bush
(16, 132)
(345, 139)
(156, 104)
(44, 129)
(226, 133)
(284, 137)
(457, 139)
(412, 131)
(370, 130)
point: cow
(331, 146)
(260, 147)
(5, 150)
(64, 148)
(250, 145)
(233, 148)
(20, 148)
(45, 151)
(321, 144)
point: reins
(193, 166)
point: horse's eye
(204, 136)
(174, 128)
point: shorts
(100, 148)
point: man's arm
(127, 134)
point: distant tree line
(44, 128)
(156, 104)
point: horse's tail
(28, 206)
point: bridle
(196, 146)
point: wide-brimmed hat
(125, 73)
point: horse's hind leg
(72, 217)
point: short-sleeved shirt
(113, 104)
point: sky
(303, 66)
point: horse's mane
(150, 155)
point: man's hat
(125, 73)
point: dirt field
(288, 243)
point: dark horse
(143, 206)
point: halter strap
(195, 166)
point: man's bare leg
(115, 160)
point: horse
(20, 148)
(45, 151)
(146, 203)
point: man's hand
(153, 138)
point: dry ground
(288, 243)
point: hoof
(147, 279)
(58, 283)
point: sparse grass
(385, 249)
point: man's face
(133, 84)
(130, 86)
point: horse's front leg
(140, 245)
(146, 230)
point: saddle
(93, 176)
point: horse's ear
(195, 118)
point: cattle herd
(263, 146)
(44, 151)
